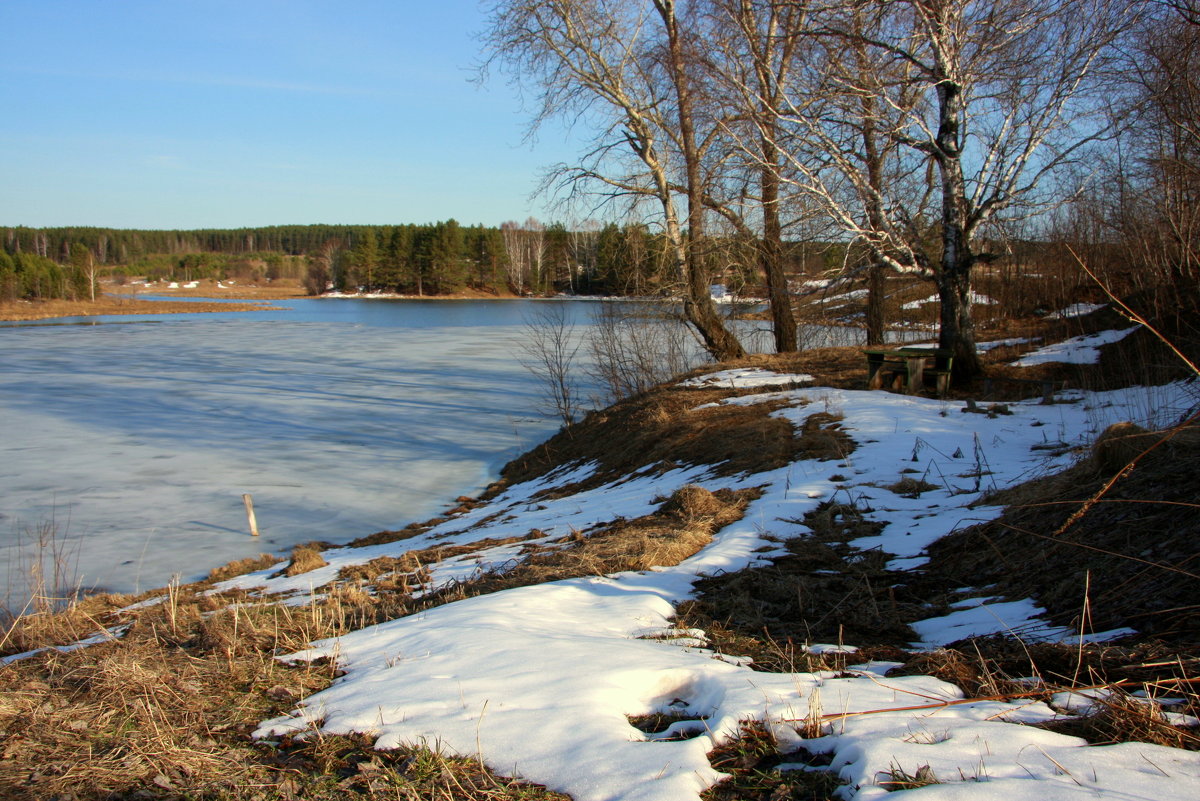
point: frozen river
(135, 437)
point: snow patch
(1076, 350)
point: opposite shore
(128, 299)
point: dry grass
(910, 487)
(751, 759)
(681, 526)
(242, 566)
(1123, 718)
(668, 427)
(305, 557)
(25, 310)
(165, 711)
(1128, 559)
(822, 591)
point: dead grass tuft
(1123, 718)
(382, 537)
(975, 674)
(1119, 445)
(81, 619)
(692, 502)
(242, 566)
(682, 525)
(305, 557)
(751, 759)
(899, 779)
(910, 487)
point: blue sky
(220, 113)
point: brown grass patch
(668, 427)
(242, 566)
(48, 628)
(682, 525)
(46, 309)
(1122, 718)
(823, 591)
(166, 713)
(751, 758)
(1120, 444)
(382, 537)
(910, 487)
(999, 666)
(305, 557)
(407, 572)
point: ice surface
(137, 438)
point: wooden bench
(905, 369)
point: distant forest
(529, 258)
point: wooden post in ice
(250, 514)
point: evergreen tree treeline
(419, 259)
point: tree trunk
(954, 272)
(771, 254)
(698, 306)
(957, 326)
(876, 293)
(876, 276)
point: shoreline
(31, 311)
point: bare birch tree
(978, 104)
(514, 247)
(625, 67)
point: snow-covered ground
(540, 680)
(1076, 350)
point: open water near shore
(134, 437)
